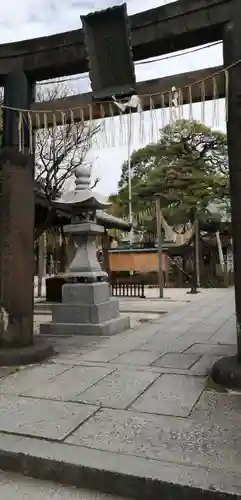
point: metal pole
(41, 263)
(197, 252)
(130, 179)
(220, 251)
(54, 167)
(159, 243)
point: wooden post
(159, 243)
(232, 53)
(17, 217)
(194, 255)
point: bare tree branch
(59, 150)
(97, 180)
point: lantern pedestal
(86, 309)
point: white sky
(32, 18)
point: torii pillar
(17, 210)
(232, 53)
(227, 371)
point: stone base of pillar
(227, 372)
(35, 353)
(86, 309)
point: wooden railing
(128, 289)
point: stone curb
(123, 475)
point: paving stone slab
(219, 408)
(146, 368)
(178, 361)
(103, 355)
(30, 377)
(119, 389)
(41, 418)
(138, 357)
(171, 395)
(211, 349)
(223, 334)
(182, 440)
(165, 346)
(70, 383)
(208, 327)
(204, 365)
(194, 335)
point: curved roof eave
(104, 219)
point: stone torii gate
(17, 197)
(153, 33)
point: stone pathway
(133, 406)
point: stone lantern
(86, 308)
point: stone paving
(138, 403)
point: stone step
(124, 475)
(18, 487)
